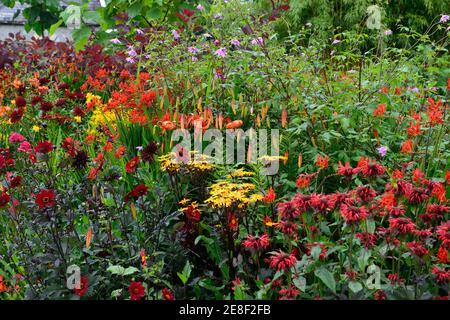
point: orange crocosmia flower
(380, 110)
(108, 146)
(234, 124)
(93, 173)
(120, 152)
(397, 174)
(407, 146)
(131, 165)
(414, 129)
(168, 125)
(90, 138)
(232, 222)
(384, 90)
(99, 157)
(270, 196)
(447, 177)
(322, 162)
(439, 192)
(88, 237)
(387, 199)
(283, 118)
(417, 175)
(442, 255)
(398, 91)
(286, 157)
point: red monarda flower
(368, 240)
(137, 290)
(302, 202)
(288, 293)
(437, 209)
(281, 260)
(441, 275)
(270, 196)
(366, 193)
(167, 294)
(417, 248)
(339, 198)
(44, 147)
(256, 242)
(45, 198)
(132, 165)
(417, 195)
(396, 211)
(137, 192)
(424, 233)
(443, 232)
(288, 210)
(84, 286)
(287, 227)
(402, 225)
(346, 170)
(380, 295)
(380, 110)
(352, 214)
(4, 199)
(321, 202)
(370, 168)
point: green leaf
(315, 252)
(116, 270)
(55, 26)
(327, 278)
(153, 13)
(134, 10)
(184, 276)
(71, 15)
(130, 270)
(81, 37)
(300, 283)
(355, 286)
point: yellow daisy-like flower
(77, 119)
(226, 194)
(36, 128)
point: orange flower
(168, 125)
(283, 118)
(88, 237)
(234, 124)
(322, 162)
(407, 146)
(120, 152)
(380, 110)
(270, 196)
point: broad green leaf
(116, 270)
(55, 26)
(355, 286)
(130, 270)
(327, 278)
(81, 37)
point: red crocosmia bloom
(413, 130)
(232, 221)
(398, 91)
(288, 210)
(346, 170)
(397, 174)
(447, 177)
(234, 124)
(384, 90)
(168, 125)
(137, 290)
(4, 199)
(45, 198)
(443, 232)
(417, 195)
(287, 227)
(380, 110)
(402, 225)
(368, 240)
(167, 294)
(417, 175)
(366, 193)
(143, 258)
(120, 152)
(288, 293)
(282, 261)
(256, 242)
(417, 248)
(442, 255)
(441, 275)
(84, 286)
(439, 191)
(132, 165)
(407, 146)
(352, 214)
(322, 162)
(387, 199)
(137, 192)
(270, 196)
(44, 147)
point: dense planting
(357, 209)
